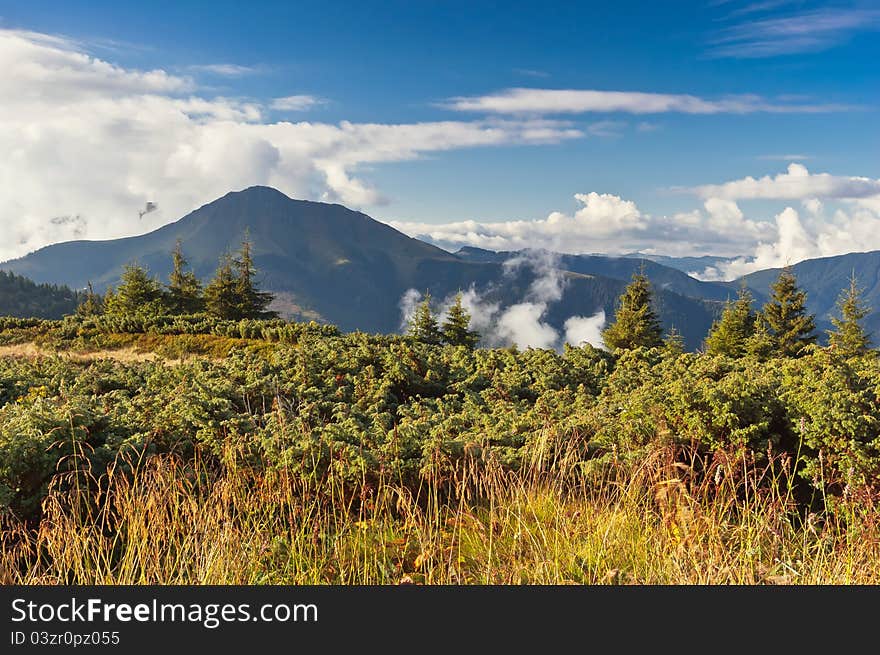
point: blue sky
(805, 71)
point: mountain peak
(260, 189)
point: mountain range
(329, 263)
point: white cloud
(295, 103)
(224, 70)
(795, 240)
(522, 326)
(605, 223)
(795, 157)
(87, 139)
(585, 329)
(577, 101)
(797, 183)
(807, 31)
(522, 323)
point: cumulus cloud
(796, 238)
(582, 101)
(84, 137)
(838, 215)
(605, 223)
(796, 183)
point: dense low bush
(357, 407)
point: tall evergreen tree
(222, 293)
(423, 324)
(786, 318)
(635, 322)
(253, 303)
(730, 334)
(184, 288)
(138, 293)
(91, 305)
(849, 337)
(457, 326)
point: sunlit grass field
(168, 521)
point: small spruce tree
(184, 288)
(457, 326)
(222, 298)
(92, 304)
(673, 342)
(849, 337)
(786, 318)
(137, 294)
(253, 303)
(423, 324)
(730, 334)
(635, 322)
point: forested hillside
(22, 297)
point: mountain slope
(824, 278)
(620, 268)
(339, 264)
(330, 263)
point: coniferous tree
(635, 322)
(423, 324)
(222, 297)
(253, 303)
(730, 334)
(673, 342)
(849, 337)
(137, 293)
(761, 344)
(184, 288)
(457, 326)
(92, 304)
(786, 318)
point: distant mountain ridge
(329, 263)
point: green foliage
(222, 299)
(457, 326)
(137, 295)
(635, 321)
(354, 408)
(673, 343)
(423, 324)
(23, 298)
(730, 334)
(849, 337)
(252, 303)
(233, 293)
(92, 304)
(785, 316)
(184, 288)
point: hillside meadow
(194, 450)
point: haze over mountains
(329, 263)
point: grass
(194, 522)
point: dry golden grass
(32, 351)
(174, 522)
